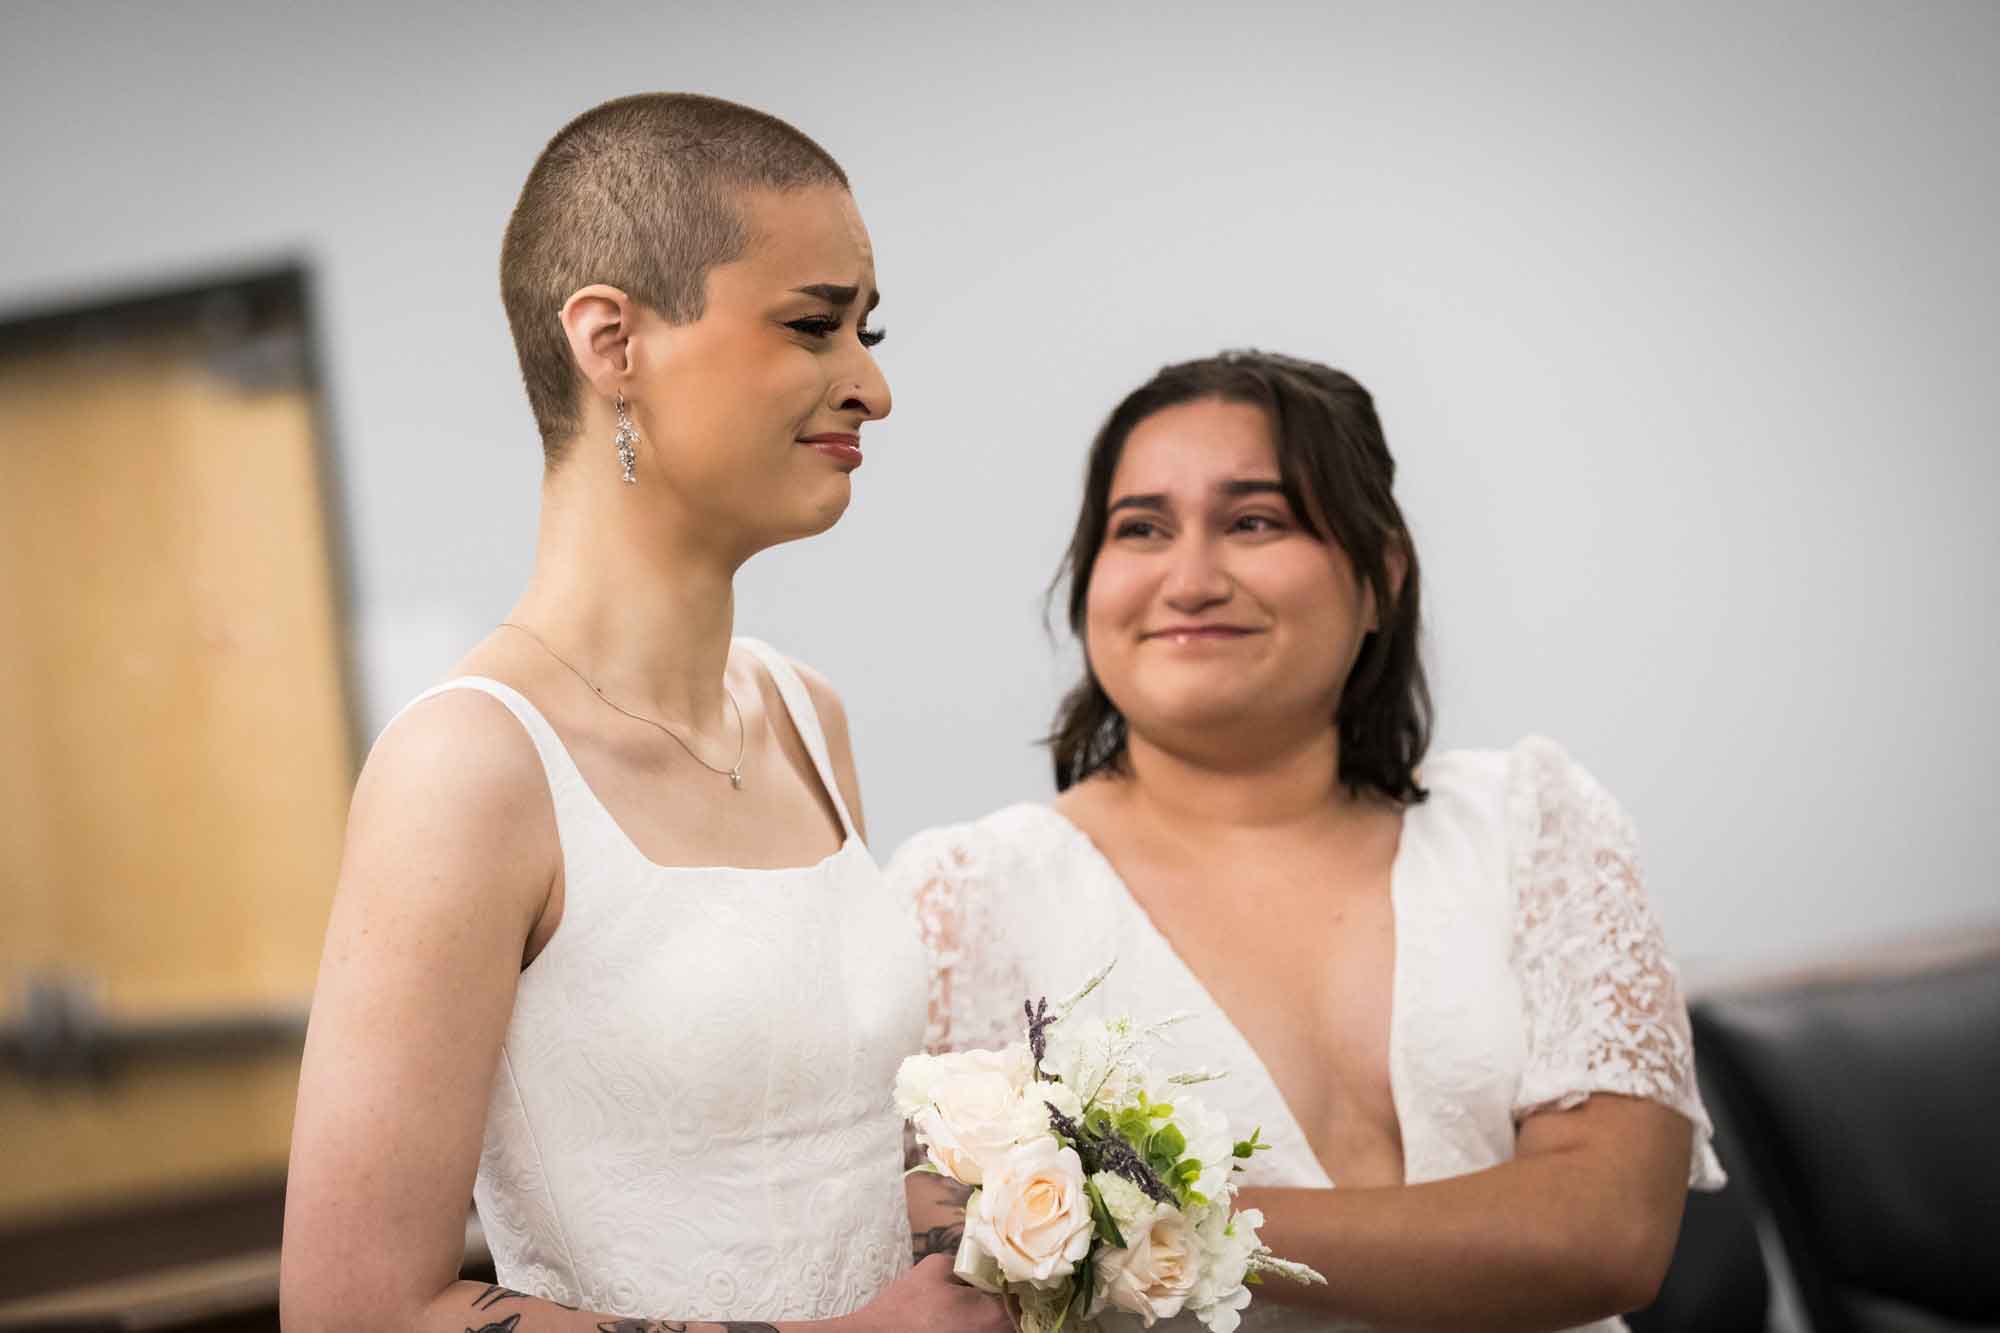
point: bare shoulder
(839, 744)
(826, 702)
(454, 793)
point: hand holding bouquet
(1096, 1184)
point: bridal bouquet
(1096, 1183)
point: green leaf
(1168, 1141)
(1160, 1110)
(1187, 1170)
(1134, 1126)
(1079, 1295)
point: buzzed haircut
(641, 193)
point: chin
(817, 514)
(1194, 711)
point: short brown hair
(1336, 470)
(639, 193)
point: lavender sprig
(1038, 1030)
(1110, 1152)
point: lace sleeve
(947, 876)
(1601, 998)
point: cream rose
(968, 1110)
(1155, 1272)
(1032, 1214)
(919, 1076)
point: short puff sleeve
(1601, 999)
(952, 877)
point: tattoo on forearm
(937, 1240)
(668, 1326)
(493, 1295)
(507, 1325)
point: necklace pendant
(736, 778)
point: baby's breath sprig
(1077, 996)
(1263, 1261)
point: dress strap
(567, 790)
(798, 702)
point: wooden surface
(180, 1296)
(178, 758)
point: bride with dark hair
(1433, 980)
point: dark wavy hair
(1337, 473)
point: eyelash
(819, 326)
(1133, 527)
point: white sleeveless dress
(692, 1116)
(1530, 971)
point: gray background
(1682, 320)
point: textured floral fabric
(692, 1116)
(1530, 970)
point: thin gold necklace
(734, 772)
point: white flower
(1032, 1214)
(1154, 1274)
(1208, 1142)
(1095, 1058)
(1226, 1244)
(918, 1076)
(968, 1110)
(1126, 1202)
(1041, 1096)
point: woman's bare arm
(450, 858)
(1580, 1225)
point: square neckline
(822, 770)
(1094, 855)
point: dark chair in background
(1718, 1282)
(1863, 1116)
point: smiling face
(1212, 606)
(752, 413)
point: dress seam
(548, 1182)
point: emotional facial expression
(1212, 605)
(756, 408)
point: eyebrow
(834, 294)
(1158, 499)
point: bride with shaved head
(586, 963)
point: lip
(843, 447)
(1200, 633)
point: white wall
(1682, 320)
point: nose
(862, 389)
(1196, 579)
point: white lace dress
(1530, 971)
(692, 1117)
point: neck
(1283, 783)
(625, 599)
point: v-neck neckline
(1094, 856)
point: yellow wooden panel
(179, 762)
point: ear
(599, 321)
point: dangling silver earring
(626, 437)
